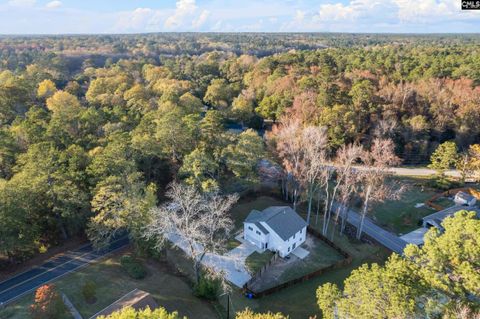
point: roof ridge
(276, 213)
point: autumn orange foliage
(47, 304)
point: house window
(294, 236)
(250, 228)
(294, 245)
(258, 233)
(288, 249)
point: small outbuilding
(137, 299)
(464, 199)
(277, 228)
(435, 220)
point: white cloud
(430, 10)
(187, 16)
(139, 20)
(202, 18)
(33, 16)
(357, 10)
(22, 3)
(54, 4)
(382, 16)
(184, 8)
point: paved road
(417, 171)
(25, 282)
(384, 237)
(403, 171)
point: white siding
(254, 235)
(276, 243)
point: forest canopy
(92, 123)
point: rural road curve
(384, 237)
(25, 282)
(403, 171)
(416, 171)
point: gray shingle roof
(464, 196)
(262, 229)
(282, 219)
(450, 211)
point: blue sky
(137, 16)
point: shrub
(443, 183)
(207, 288)
(48, 304)
(89, 291)
(133, 267)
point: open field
(401, 216)
(170, 290)
(299, 301)
(445, 202)
(174, 292)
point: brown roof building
(137, 299)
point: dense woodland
(95, 127)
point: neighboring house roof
(438, 217)
(416, 236)
(466, 197)
(137, 299)
(283, 220)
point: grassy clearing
(169, 290)
(445, 202)
(299, 301)
(320, 256)
(401, 216)
(256, 260)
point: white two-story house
(277, 228)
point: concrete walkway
(73, 311)
(232, 264)
(384, 237)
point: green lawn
(401, 216)
(256, 260)
(320, 256)
(232, 243)
(169, 290)
(299, 301)
(445, 202)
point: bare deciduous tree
(289, 148)
(374, 188)
(303, 151)
(347, 180)
(313, 162)
(200, 221)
